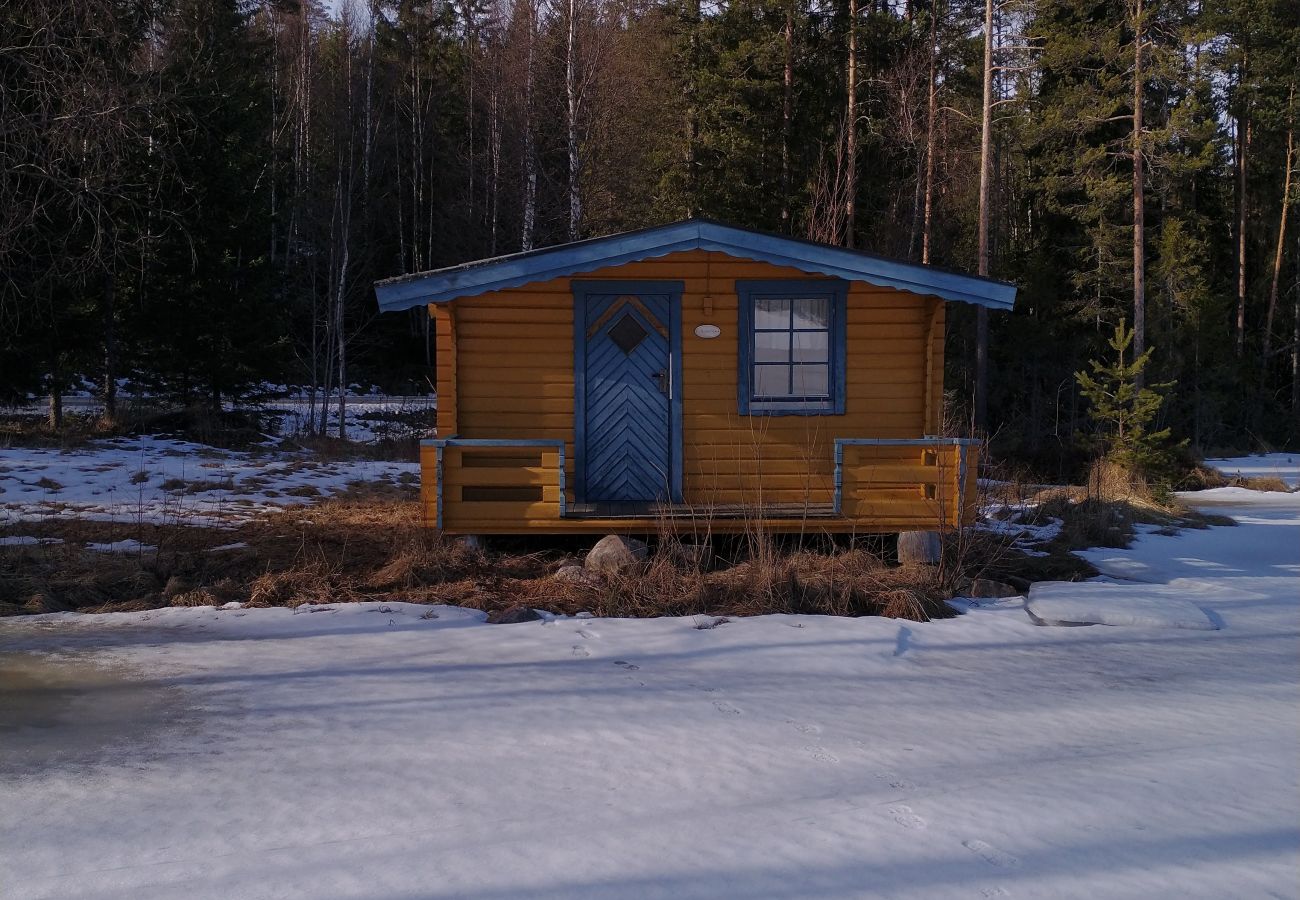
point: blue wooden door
(625, 400)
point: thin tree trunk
(1243, 144)
(986, 145)
(1139, 200)
(1281, 240)
(931, 111)
(787, 114)
(530, 152)
(110, 346)
(571, 91)
(1295, 337)
(851, 123)
(496, 162)
(693, 113)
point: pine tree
(1122, 410)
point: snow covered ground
(371, 416)
(378, 751)
(161, 480)
(1271, 465)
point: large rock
(614, 555)
(919, 548)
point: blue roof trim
(471, 279)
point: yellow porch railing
(490, 483)
(922, 481)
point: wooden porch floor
(640, 510)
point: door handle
(661, 380)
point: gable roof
(479, 277)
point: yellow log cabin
(699, 375)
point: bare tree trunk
(931, 111)
(1295, 337)
(1281, 239)
(56, 406)
(693, 113)
(787, 114)
(851, 123)
(110, 346)
(530, 150)
(496, 161)
(986, 146)
(571, 91)
(1243, 143)
(1139, 200)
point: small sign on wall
(707, 331)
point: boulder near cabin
(697, 374)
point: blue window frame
(791, 340)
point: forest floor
(397, 750)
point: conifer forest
(196, 196)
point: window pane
(811, 346)
(812, 312)
(772, 346)
(771, 381)
(812, 381)
(772, 312)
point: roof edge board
(471, 280)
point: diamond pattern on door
(627, 333)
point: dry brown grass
(377, 549)
(1203, 477)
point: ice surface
(402, 751)
(1270, 465)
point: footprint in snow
(623, 664)
(580, 651)
(904, 816)
(585, 634)
(991, 855)
(895, 782)
(723, 706)
(821, 754)
(805, 727)
(995, 892)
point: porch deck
(878, 485)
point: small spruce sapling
(1122, 412)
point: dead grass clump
(840, 583)
(1202, 477)
(425, 560)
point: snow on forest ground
(379, 751)
(165, 481)
(371, 416)
(1285, 466)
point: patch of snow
(1009, 520)
(1143, 606)
(161, 481)
(129, 545)
(1285, 466)
(27, 540)
(393, 750)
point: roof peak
(584, 256)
